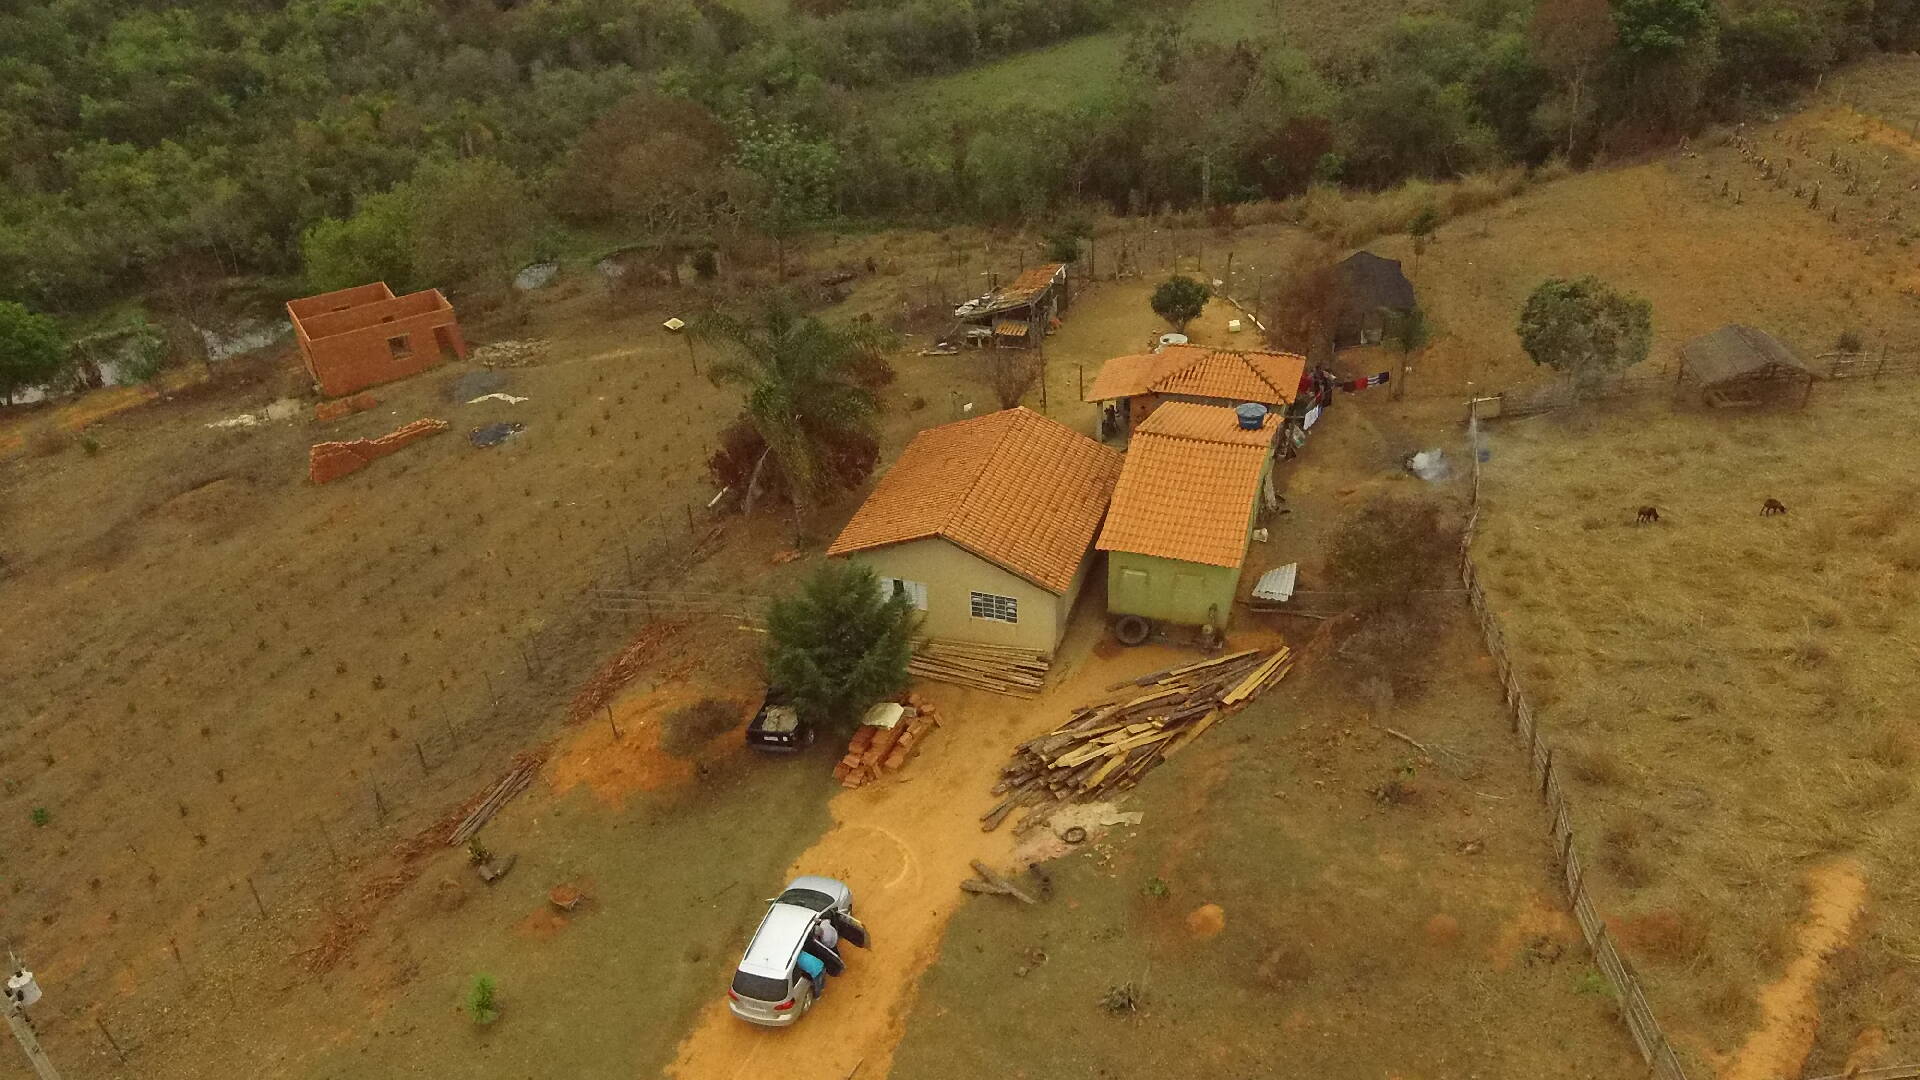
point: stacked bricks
(329, 461)
(874, 751)
(346, 406)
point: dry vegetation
(1664, 229)
(1730, 691)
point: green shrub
(1180, 300)
(481, 1002)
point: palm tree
(803, 393)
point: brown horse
(1772, 506)
(1647, 515)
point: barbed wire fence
(1635, 1011)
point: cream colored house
(987, 527)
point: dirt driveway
(904, 846)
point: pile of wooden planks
(1002, 669)
(1107, 746)
(874, 750)
(510, 785)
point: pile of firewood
(1107, 747)
(1002, 669)
(874, 750)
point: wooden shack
(1016, 315)
(1738, 365)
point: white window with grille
(914, 591)
(1004, 609)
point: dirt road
(903, 845)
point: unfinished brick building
(354, 338)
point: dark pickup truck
(777, 727)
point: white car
(769, 988)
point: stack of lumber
(875, 751)
(1106, 747)
(999, 668)
(498, 796)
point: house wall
(951, 574)
(348, 350)
(1168, 590)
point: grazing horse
(1772, 506)
(1647, 514)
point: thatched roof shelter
(1732, 364)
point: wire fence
(1635, 1011)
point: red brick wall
(334, 410)
(352, 361)
(329, 461)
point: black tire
(1131, 630)
(1074, 834)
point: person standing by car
(825, 933)
(814, 970)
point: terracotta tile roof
(1015, 488)
(1206, 423)
(1123, 377)
(1271, 378)
(1031, 283)
(1188, 488)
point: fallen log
(1001, 883)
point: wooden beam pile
(874, 750)
(1002, 669)
(1106, 747)
(510, 785)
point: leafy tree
(1667, 50)
(374, 244)
(796, 175)
(1572, 39)
(1309, 299)
(1063, 240)
(1584, 328)
(1179, 300)
(659, 169)
(1661, 28)
(1406, 333)
(473, 222)
(838, 645)
(802, 382)
(32, 349)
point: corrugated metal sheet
(1277, 584)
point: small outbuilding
(1738, 365)
(354, 338)
(1137, 385)
(1015, 315)
(1373, 288)
(1195, 481)
(986, 526)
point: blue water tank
(1252, 415)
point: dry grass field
(1663, 229)
(1731, 694)
(222, 681)
(1730, 691)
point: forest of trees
(147, 142)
